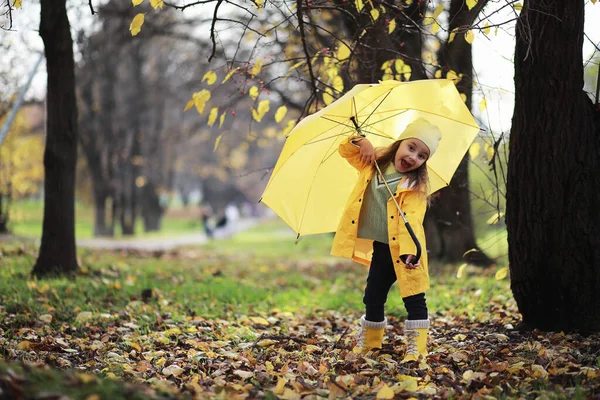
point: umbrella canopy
(311, 182)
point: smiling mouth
(405, 164)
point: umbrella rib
(325, 158)
(376, 107)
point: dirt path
(154, 244)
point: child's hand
(408, 258)
(367, 152)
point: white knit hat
(425, 131)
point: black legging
(381, 278)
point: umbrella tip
(259, 200)
(298, 237)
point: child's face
(411, 154)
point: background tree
(332, 46)
(21, 167)
(554, 174)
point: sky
(494, 68)
(492, 57)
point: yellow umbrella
(311, 182)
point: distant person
(371, 221)
(206, 214)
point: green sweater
(372, 223)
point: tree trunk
(102, 225)
(58, 251)
(448, 222)
(553, 187)
(3, 214)
(152, 210)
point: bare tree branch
(305, 46)
(212, 30)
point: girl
(372, 231)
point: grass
(26, 218)
(254, 272)
(180, 301)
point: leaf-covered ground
(209, 324)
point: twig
(340, 339)
(212, 30)
(304, 46)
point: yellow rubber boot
(369, 336)
(416, 340)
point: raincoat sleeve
(414, 205)
(351, 153)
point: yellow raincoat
(413, 203)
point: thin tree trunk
(3, 214)
(553, 187)
(448, 222)
(58, 251)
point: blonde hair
(418, 177)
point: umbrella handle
(417, 244)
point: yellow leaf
(189, 105)
(157, 4)
(385, 393)
(293, 67)
(229, 74)
(486, 28)
(474, 150)
(518, 6)
(289, 127)
(374, 14)
(136, 24)
(359, 5)
(280, 388)
(136, 2)
(495, 218)
(593, 1)
(436, 27)
(501, 273)
(452, 76)
(483, 104)
(469, 36)
(210, 77)
(452, 35)
(338, 84)
(342, 53)
(438, 73)
(212, 117)
(280, 114)
(256, 68)
(253, 92)
(259, 3)
(200, 98)
(463, 97)
(471, 3)
(438, 10)
(24, 345)
(217, 143)
(17, 3)
(461, 270)
(221, 120)
(327, 97)
(262, 109)
(392, 26)
(259, 321)
(489, 149)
